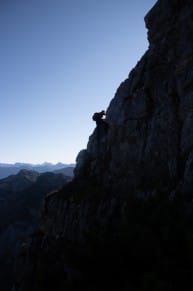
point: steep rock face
(149, 136)
(128, 211)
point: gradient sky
(60, 61)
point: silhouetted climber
(102, 126)
(98, 117)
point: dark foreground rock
(125, 222)
(21, 201)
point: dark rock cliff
(126, 220)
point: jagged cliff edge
(125, 219)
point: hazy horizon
(36, 164)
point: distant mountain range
(21, 200)
(12, 169)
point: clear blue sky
(60, 61)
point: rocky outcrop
(124, 222)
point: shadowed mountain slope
(13, 169)
(21, 200)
